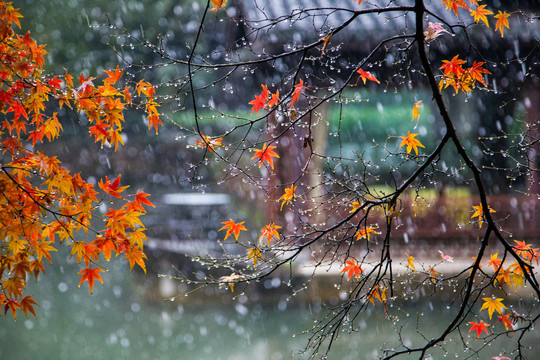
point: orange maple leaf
(135, 256)
(209, 142)
(296, 92)
(140, 200)
(365, 232)
(90, 275)
(114, 76)
(270, 231)
(112, 189)
(476, 71)
(352, 268)
(232, 228)
(266, 154)
(480, 14)
(218, 4)
(495, 262)
(507, 322)
(454, 4)
(364, 75)
(502, 21)
(479, 327)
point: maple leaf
(27, 304)
(86, 84)
(453, 67)
(433, 31)
(260, 100)
(365, 232)
(496, 263)
(269, 231)
(364, 75)
(114, 76)
(90, 275)
(446, 257)
(355, 206)
(352, 268)
(136, 256)
(218, 4)
(492, 304)
(232, 228)
(296, 92)
(377, 293)
(479, 212)
(507, 322)
(266, 154)
(287, 196)
(411, 142)
(209, 142)
(416, 111)
(273, 100)
(254, 254)
(140, 200)
(476, 72)
(410, 260)
(480, 14)
(502, 21)
(231, 280)
(325, 42)
(112, 189)
(479, 327)
(454, 5)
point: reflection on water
(119, 322)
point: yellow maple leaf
(411, 142)
(480, 14)
(492, 304)
(355, 206)
(416, 111)
(288, 195)
(410, 260)
(479, 212)
(254, 254)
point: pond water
(121, 321)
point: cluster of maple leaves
(42, 204)
(455, 74)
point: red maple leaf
(364, 75)
(265, 154)
(257, 103)
(479, 327)
(296, 92)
